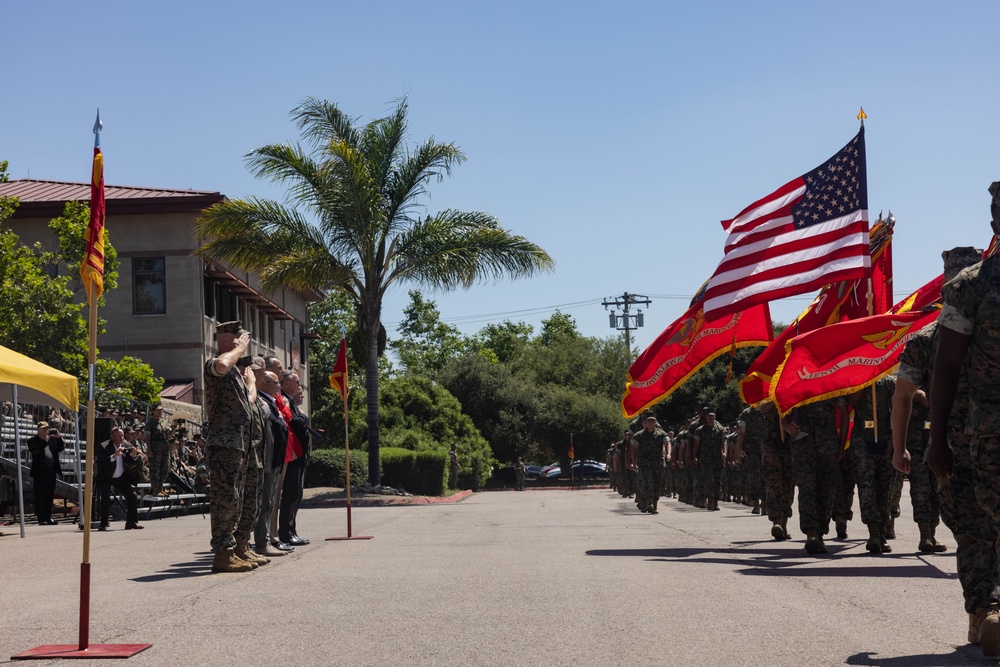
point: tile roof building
(168, 301)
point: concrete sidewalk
(556, 578)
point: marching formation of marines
(936, 423)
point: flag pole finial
(861, 116)
(98, 126)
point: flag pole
(92, 274)
(339, 381)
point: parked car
(581, 469)
(532, 472)
(544, 472)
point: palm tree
(358, 228)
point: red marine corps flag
(338, 376)
(810, 232)
(842, 358)
(685, 347)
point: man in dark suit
(275, 441)
(297, 457)
(45, 447)
(112, 470)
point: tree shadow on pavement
(197, 568)
(762, 561)
(963, 655)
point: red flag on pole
(571, 454)
(338, 377)
(685, 347)
(808, 233)
(92, 266)
(842, 358)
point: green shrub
(420, 473)
(326, 468)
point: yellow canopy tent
(24, 380)
(36, 382)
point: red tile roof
(46, 198)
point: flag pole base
(351, 537)
(69, 651)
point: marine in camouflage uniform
(777, 473)
(752, 430)
(626, 476)
(253, 484)
(228, 409)
(871, 452)
(968, 355)
(159, 450)
(651, 444)
(815, 445)
(709, 440)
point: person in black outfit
(45, 447)
(291, 490)
(115, 458)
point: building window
(270, 332)
(149, 294)
(225, 304)
(209, 297)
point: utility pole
(626, 321)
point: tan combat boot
(928, 544)
(244, 552)
(841, 528)
(984, 629)
(226, 561)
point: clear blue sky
(614, 135)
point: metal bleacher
(181, 501)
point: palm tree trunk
(371, 385)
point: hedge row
(420, 473)
(326, 468)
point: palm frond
(310, 269)
(381, 141)
(408, 181)
(455, 249)
(323, 122)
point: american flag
(808, 233)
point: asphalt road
(553, 577)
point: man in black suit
(114, 457)
(45, 447)
(275, 442)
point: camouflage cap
(235, 327)
(957, 259)
(995, 191)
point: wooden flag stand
(343, 388)
(83, 648)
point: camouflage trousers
(226, 469)
(685, 484)
(626, 483)
(159, 466)
(650, 482)
(874, 475)
(753, 483)
(778, 475)
(923, 486)
(843, 503)
(252, 493)
(976, 536)
(708, 479)
(669, 483)
(815, 462)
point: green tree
(362, 186)
(421, 415)
(503, 342)
(504, 408)
(41, 306)
(426, 343)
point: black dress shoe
(102, 527)
(282, 546)
(297, 541)
(50, 522)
